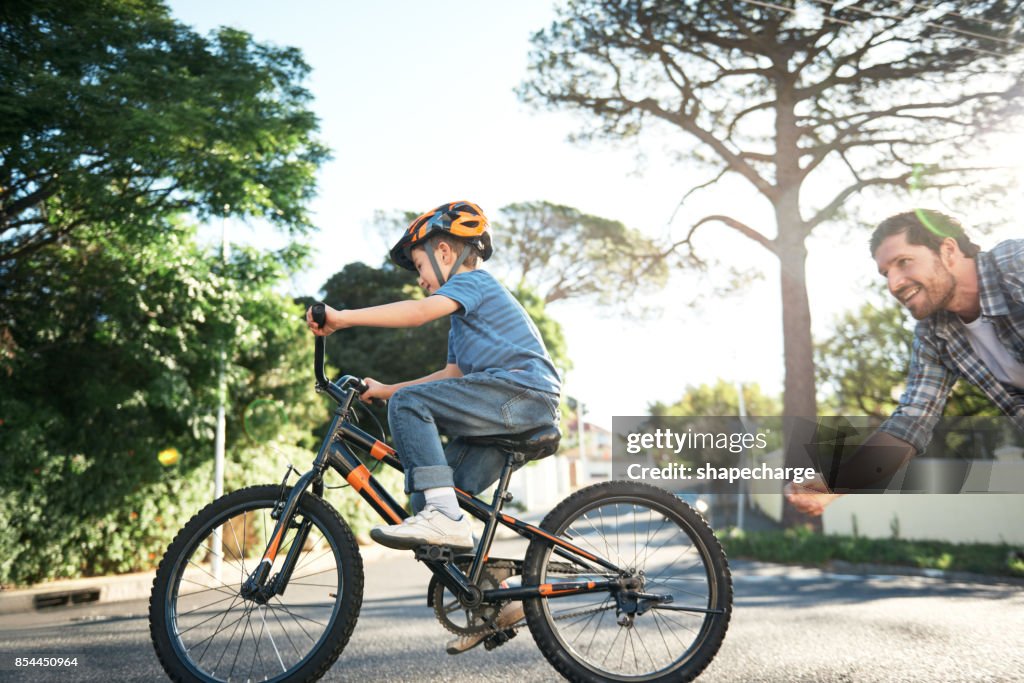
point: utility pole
(741, 496)
(580, 432)
(216, 546)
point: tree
(864, 362)
(791, 97)
(714, 409)
(112, 113)
(720, 398)
(114, 357)
(563, 253)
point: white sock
(443, 498)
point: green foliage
(714, 409)
(113, 113)
(549, 328)
(865, 358)
(720, 398)
(113, 355)
(559, 253)
(801, 546)
(562, 253)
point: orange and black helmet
(463, 220)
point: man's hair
(454, 243)
(926, 228)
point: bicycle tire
(671, 531)
(327, 580)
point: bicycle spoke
(197, 609)
(209, 641)
(256, 647)
(273, 644)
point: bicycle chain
(522, 622)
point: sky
(417, 101)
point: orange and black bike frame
(338, 452)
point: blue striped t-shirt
(492, 333)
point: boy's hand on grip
(327, 327)
(375, 391)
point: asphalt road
(788, 625)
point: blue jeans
(477, 404)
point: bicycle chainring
(459, 620)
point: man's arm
(897, 440)
(875, 461)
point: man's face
(916, 275)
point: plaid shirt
(942, 353)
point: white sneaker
(509, 615)
(429, 527)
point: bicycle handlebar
(319, 314)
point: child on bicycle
(498, 379)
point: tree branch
(737, 225)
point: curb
(70, 592)
(844, 567)
(55, 595)
(867, 569)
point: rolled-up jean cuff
(432, 476)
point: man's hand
(810, 497)
(332, 324)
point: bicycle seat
(534, 444)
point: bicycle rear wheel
(204, 630)
(651, 535)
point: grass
(800, 546)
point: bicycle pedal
(434, 553)
(500, 638)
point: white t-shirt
(996, 357)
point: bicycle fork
(256, 587)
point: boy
(498, 379)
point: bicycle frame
(336, 452)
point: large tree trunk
(799, 401)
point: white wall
(958, 518)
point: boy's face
(427, 276)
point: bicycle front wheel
(658, 542)
(202, 627)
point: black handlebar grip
(319, 313)
(361, 386)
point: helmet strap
(459, 260)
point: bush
(801, 546)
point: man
(970, 305)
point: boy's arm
(384, 391)
(410, 313)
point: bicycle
(617, 571)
